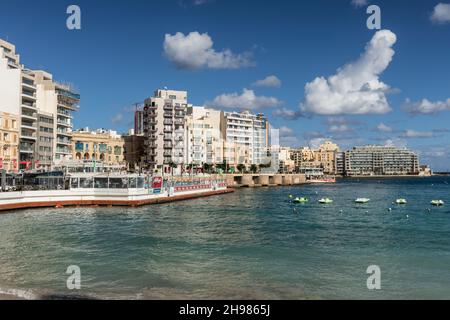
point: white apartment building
(247, 137)
(205, 136)
(164, 129)
(44, 109)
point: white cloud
(118, 118)
(247, 100)
(383, 128)
(417, 134)
(341, 128)
(286, 132)
(356, 88)
(317, 142)
(269, 81)
(287, 114)
(398, 143)
(441, 13)
(360, 3)
(426, 107)
(195, 51)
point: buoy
(390, 209)
(407, 216)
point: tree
(241, 168)
(254, 168)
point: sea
(251, 244)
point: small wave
(19, 293)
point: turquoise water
(253, 244)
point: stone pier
(264, 180)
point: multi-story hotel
(247, 138)
(43, 107)
(164, 129)
(380, 160)
(323, 157)
(205, 134)
(9, 142)
(101, 145)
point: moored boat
(401, 201)
(437, 203)
(362, 200)
(326, 201)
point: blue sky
(219, 49)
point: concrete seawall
(264, 180)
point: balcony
(168, 146)
(64, 123)
(168, 107)
(64, 132)
(28, 135)
(63, 150)
(29, 115)
(179, 121)
(28, 125)
(152, 153)
(168, 122)
(167, 153)
(29, 94)
(179, 115)
(29, 105)
(168, 137)
(168, 114)
(65, 142)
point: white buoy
(407, 216)
(390, 209)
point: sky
(313, 67)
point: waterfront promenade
(264, 180)
(100, 190)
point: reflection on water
(253, 244)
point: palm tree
(254, 168)
(241, 168)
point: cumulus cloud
(383, 128)
(195, 51)
(355, 88)
(397, 143)
(417, 134)
(286, 132)
(288, 114)
(441, 13)
(118, 118)
(341, 128)
(247, 100)
(269, 81)
(360, 3)
(426, 106)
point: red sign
(157, 183)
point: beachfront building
(205, 134)
(44, 109)
(164, 131)
(133, 150)
(9, 142)
(380, 160)
(139, 121)
(285, 163)
(105, 146)
(323, 157)
(247, 135)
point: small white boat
(326, 201)
(362, 200)
(401, 201)
(437, 203)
